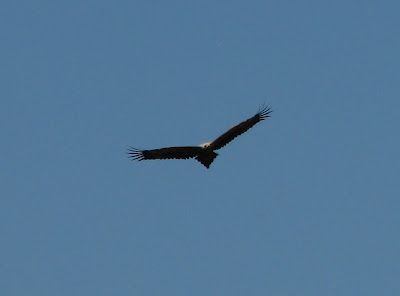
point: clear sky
(305, 203)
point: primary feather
(205, 153)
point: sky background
(305, 203)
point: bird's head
(205, 145)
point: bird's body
(204, 153)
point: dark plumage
(204, 153)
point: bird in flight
(204, 153)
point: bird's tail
(207, 159)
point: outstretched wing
(239, 129)
(164, 153)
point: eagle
(204, 153)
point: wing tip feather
(264, 112)
(135, 154)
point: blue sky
(305, 203)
